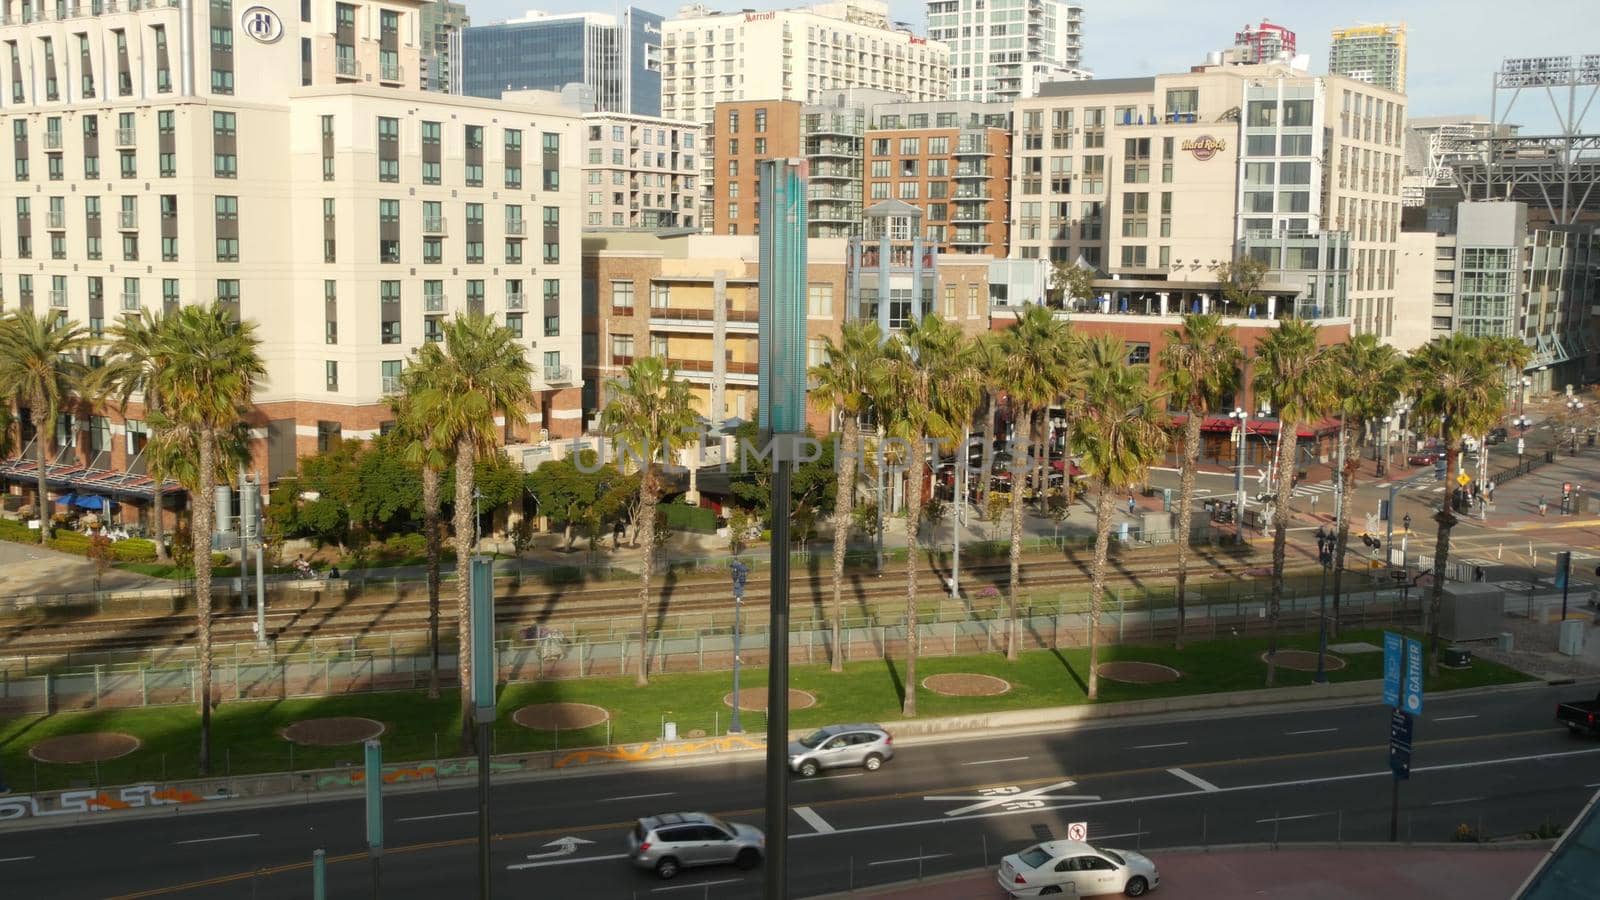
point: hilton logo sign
(1205, 147)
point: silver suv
(841, 746)
(672, 842)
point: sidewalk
(1456, 872)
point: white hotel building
(292, 170)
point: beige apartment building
(289, 170)
(1155, 181)
(641, 171)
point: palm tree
(479, 369)
(41, 364)
(1370, 373)
(1036, 363)
(417, 443)
(650, 412)
(1292, 373)
(1200, 365)
(133, 359)
(1118, 435)
(848, 379)
(929, 375)
(1458, 389)
(988, 362)
(210, 366)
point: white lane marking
(1160, 746)
(1195, 780)
(1596, 784)
(470, 812)
(832, 777)
(815, 821)
(231, 837)
(565, 862)
(1455, 718)
(990, 762)
(1291, 818)
(16, 859)
(1451, 802)
(1385, 773)
(1311, 731)
(906, 859)
(635, 797)
(700, 884)
(1010, 797)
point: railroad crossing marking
(1012, 798)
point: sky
(1455, 46)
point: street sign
(1413, 682)
(1520, 446)
(1393, 651)
(1078, 831)
(1463, 479)
(1400, 730)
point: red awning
(1262, 427)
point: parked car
(1424, 458)
(1076, 868)
(1495, 436)
(672, 842)
(1580, 717)
(841, 746)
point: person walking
(1130, 503)
(1543, 506)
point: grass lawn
(245, 736)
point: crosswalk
(1311, 490)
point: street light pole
(1242, 416)
(740, 573)
(1325, 542)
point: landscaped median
(251, 738)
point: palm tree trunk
(1191, 458)
(40, 438)
(1019, 472)
(430, 527)
(986, 480)
(1041, 444)
(200, 535)
(1097, 589)
(913, 516)
(1446, 518)
(466, 533)
(647, 526)
(1342, 528)
(843, 502)
(158, 528)
(1288, 438)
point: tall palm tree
(649, 412)
(1200, 365)
(211, 364)
(133, 359)
(988, 361)
(1458, 389)
(1370, 375)
(1118, 435)
(41, 364)
(478, 370)
(848, 379)
(1292, 373)
(419, 448)
(1037, 359)
(929, 375)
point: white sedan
(1075, 868)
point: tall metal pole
(1325, 542)
(777, 806)
(244, 544)
(740, 572)
(960, 514)
(485, 674)
(1238, 471)
(877, 537)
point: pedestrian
(1130, 503)
(1543, 507)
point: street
(1495, 762)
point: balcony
(515, 302)
(621, 310)
(689, 314)
(704, 366)
(833, 192)
(390, 72)
(58, 299)
(557, 374)
(833, 171)
(433, 225)
(516, 228)
(972, 172)
(129, 220)
(130, 302)
(433, 303)
(835, 150)
(126, 136)
(970, 146)
(622, 359)
(977, 216)
(57, 220)
(52, 140)
(346, 67)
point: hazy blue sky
(1455, 45)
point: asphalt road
(1496, 761)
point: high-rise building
(1264, 43)
(616, 57)
(291, 171)
(441, 24)
(1375, 54)
(792, 55)
(641, 171)
(1001, 50)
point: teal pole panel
(483, 662)
(374, 783)
(781, 391)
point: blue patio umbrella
(88, 501)
(66, 499)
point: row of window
(435, 305)
(389, 371)
(87, 52)
(432, 172)
(225, 209)
(127, 154)
(227, 290)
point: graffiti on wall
(78, 802)
(659, 750)
(446, 769)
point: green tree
(849, 380)
(1118, 436)
(478, 370)
(569, 491)
(212, 364)
(929, 374)
(1241, 281)
(132, 360)
(1293, 374)
(1370, 375)
(1200, 365)
(1457, 389)
(649, 412)
(1070, 281)
(813, 485)
(414, 442)
(41, 364)
(1038, 360)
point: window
(514, 324)
(1261, 145)
(621, 349)
(330, 370)
(430, 147)
(228, 294)
(513, 252)
(129, 163)
(552, 307)
(761, 120)
(389, 311)
(908, 190)
(513, 158)
(130, 247)
(474, 156)
(1296, 144)
(1296, 113)
(819, 301)
(474, 232)
(330, 302)
(389, 224)
(552, 157)
(388, 149)
(223, 141)
(327, 148)
(1183, 101)
(938, 146)
(880, 168)
(909, 146)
